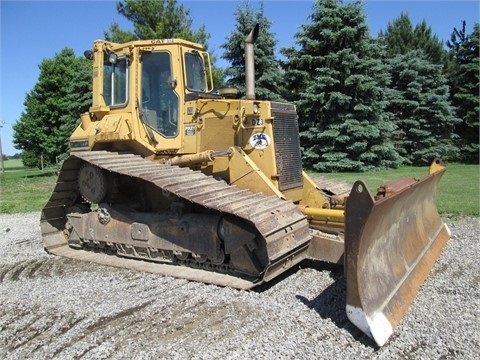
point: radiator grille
(287, 146)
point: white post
(1, 153)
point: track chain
(274, 218)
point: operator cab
(143, 94)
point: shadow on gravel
(331, 302)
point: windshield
(159, 100)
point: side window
(159, 100)
(195, 71)
(115, 82)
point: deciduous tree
(52, 108)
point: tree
(398, 38)
(77, 101)
(157, 20)
(117, 35)
(339, 87)
(464, 81)
(422, 111)
(44, 125)
(401, 38)
(161, 19)
(269, 83)
(430, 44)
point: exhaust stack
(250, 64)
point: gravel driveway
(53, 307)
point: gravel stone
(52, 307)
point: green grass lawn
(458, 193)
(25, 190)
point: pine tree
(160, 19)
(156, 20)
(118, 35)
(401, 38)
(429, 43)
(422, 110)
(77, 101)
(464, 80)
(398, 38)
(42, 129)
(339, 90)
(269, 82)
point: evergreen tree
(401, 38)
(160, 19)
(269, 83)
(422, 110)
(464, 80)
(77, 101)
(339, 90)
(398, 38)
(117, 35)
(43, 128)
(429, 43)
(156, 20)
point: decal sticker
(190, 130)
(260, 141)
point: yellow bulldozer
(168, 175)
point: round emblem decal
(260, 141)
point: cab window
(115, 80)
(195, 71)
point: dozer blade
(390, 246)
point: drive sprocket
(92, 183)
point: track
(282, 228)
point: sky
(31, 31)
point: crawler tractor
(168, 176)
